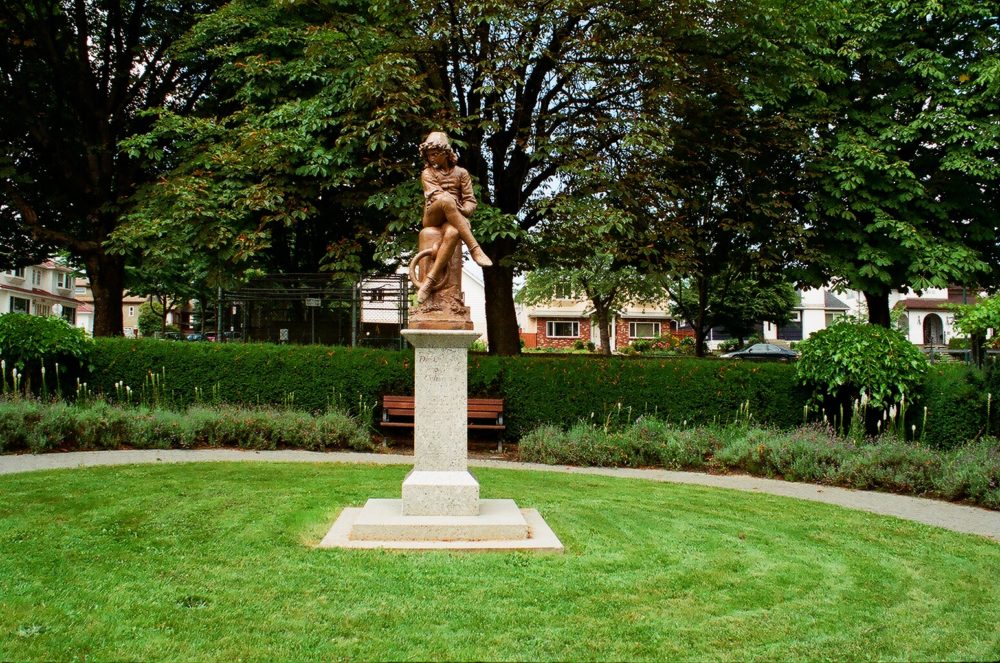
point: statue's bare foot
(480, 257)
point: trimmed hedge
(309, 377)
(537, 389)
(955, 398)
(562, 390)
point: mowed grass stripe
(214, 562)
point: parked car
(196, 337)
(763, 352)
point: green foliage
(150, 318)
(560, 389)
(972, 472)
(850, 361)
(31, 343)
(564, 389)
(905, 187)
(811, 453)
(978, 318)
(538, 389)
(310, 377)
(957, 399)
(27, 425)
(69, 103)
(664, 345)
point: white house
(816, 310)
(928, 319)
(45, 289)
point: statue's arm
(468, 201)
(431, 188)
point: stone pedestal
(440, 505)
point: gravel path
(971, 520)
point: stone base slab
(433, 493)
(499, 526)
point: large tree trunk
(107, 282)
(501, 319)
(878, 308)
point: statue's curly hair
(438, 140)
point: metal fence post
(354, 315)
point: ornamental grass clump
(31, 425)
(670, 447)
(972, 472)
(890, 464)
(810, 453)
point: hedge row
(539, 389)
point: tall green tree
(75, 77)
(332, 108)
(737, 302)
(538, 91)
(294, 163)
(905, 183)
(719, 184)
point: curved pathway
(956, 517)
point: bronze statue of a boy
(448, 204)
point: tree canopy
(75, 78)
(905, 182)
(724, 142)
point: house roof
(956, 295)
(831, 301)
(920, 304)
(38, 292)
(51, 264)
(570, 313)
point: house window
(69, 315)
(81, 290)
(377, 295)
(832, 317)
(17, 272)
(643, 329)
(64, 280)
(131, 311)
(44, 310)
(796, 316)
(562, 329)
(19, 305)
(563, 292)
(36, 277)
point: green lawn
(215, 562)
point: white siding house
(45, 289)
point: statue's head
(438, 141)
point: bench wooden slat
(478, 409)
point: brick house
(566, 319)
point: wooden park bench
(484, 413)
